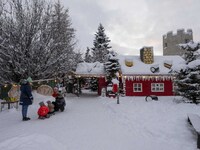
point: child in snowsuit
(51, 108)
(59, 103)
(43, 111)
(55, 92)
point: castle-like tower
(171, 41)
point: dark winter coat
(26, 97)
(60, 101)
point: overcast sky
(132, 24)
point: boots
(41, 117)
(26, 118)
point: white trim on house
(137, 87)
(157, 87)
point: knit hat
(29, 79)
(41, 103)
(55, 89)
(23, 81)
(48, 102)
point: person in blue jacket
(26, 97)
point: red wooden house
(147, 74)
(140, 75)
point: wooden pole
(118, 96)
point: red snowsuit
(43, 111)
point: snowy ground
(98, 123)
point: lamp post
(118, 96)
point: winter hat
(55, 88)
(48, 102)
(23, 81)
(29, 79)
(41, 103)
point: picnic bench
(153, 97)
(9, 103)
(194, 120)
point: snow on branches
(188, 78)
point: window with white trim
(137, 87)
(157, 87)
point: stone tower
(171, 41)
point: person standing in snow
(26, 97)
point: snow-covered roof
(141, 68)
(89, 69)
(138, 68)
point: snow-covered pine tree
(191, 51)
(20, 22)
(111, 66)
(88, 57)
(1, 27)
(94, 84)
(188, 78)
(101, 45)
(2, 4)
(1, 21)
(77, 58)
(63, 36)
(38, 40)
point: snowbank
(31, 142)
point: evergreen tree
(101, 45)
(88, 57)
(191, 51)
(38, 40)
(111, 66)
(94, 84)
(77, 58)
(188, 78)
(63, 36)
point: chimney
(146, 55)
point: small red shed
(92, 70)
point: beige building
(171, 41)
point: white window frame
(157, 87)
(136, 87)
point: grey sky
(132, 24)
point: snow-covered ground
(98, 123)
